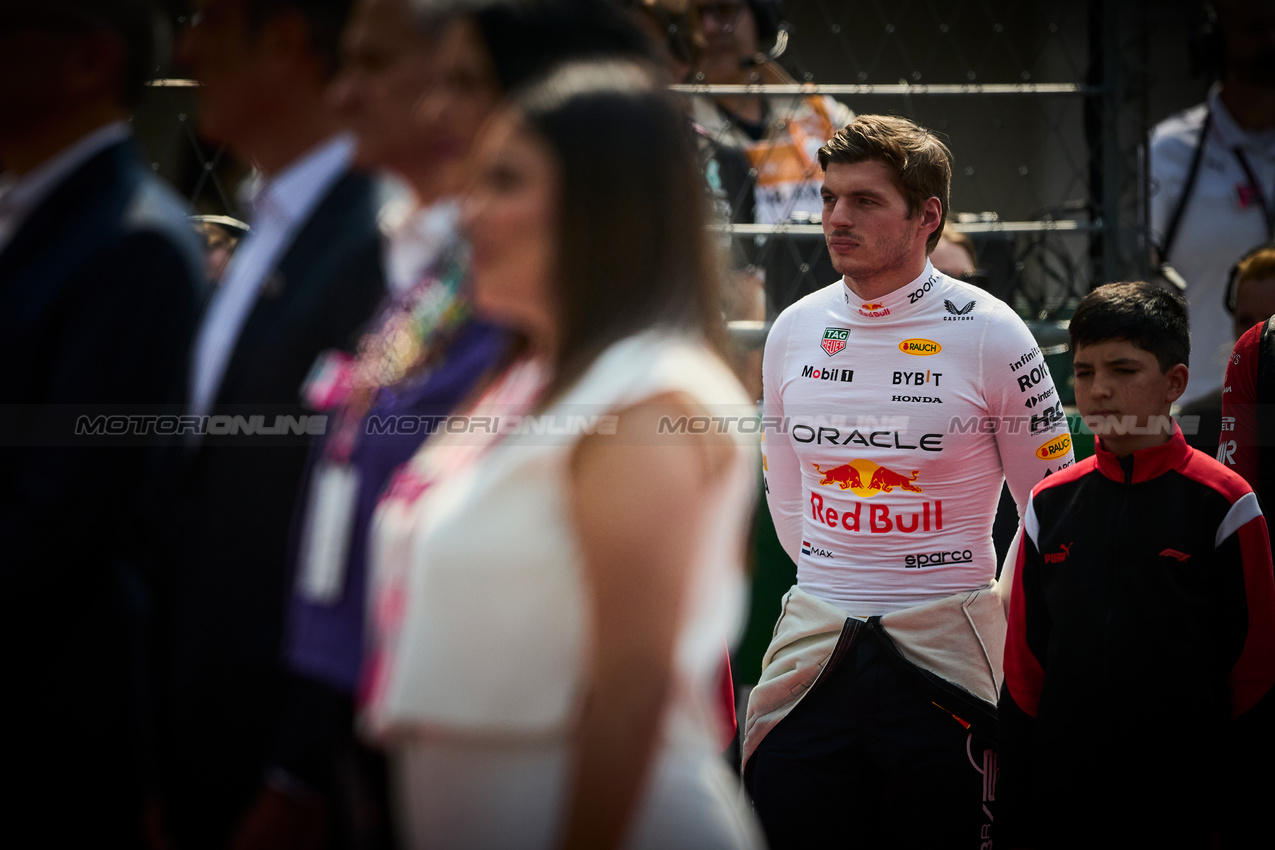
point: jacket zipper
(845, 640)
(972, 708)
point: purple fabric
(325, 641)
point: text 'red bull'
(880, 521)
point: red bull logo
(1054, 447)
(879, 519)
(881, 479)
(874, 311)
(920, 347)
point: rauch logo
(1054, 447)
(920, 347)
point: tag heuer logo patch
(834, 340)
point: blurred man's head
(254, 57)
(673, 28)
(1253, 290)
(954, 255)
(388, 57)
(730, 40)
(65, 58)
(1248, 41)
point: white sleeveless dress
(480, 624)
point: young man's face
(231, 65)
(866, 222)
(730, 39)
(1254, 303)
(1123, 396)
(1248, 31)
(386, 68)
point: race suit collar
(906, 298)
(1147, 463)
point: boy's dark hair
(1151, 318)
(921, 163)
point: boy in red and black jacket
(1136, 708)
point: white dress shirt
(279, 210)
(415, 238)
(1218, 226)
(20, 195)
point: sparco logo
(846, 375)
(958, 314)
(834, 340)
(933, 559)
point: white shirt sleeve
(1032, 437)
(781, 470)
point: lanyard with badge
(1254, 192)
(405, 344)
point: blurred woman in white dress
(555, 576)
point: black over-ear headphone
(1230, 295)
(768, 15)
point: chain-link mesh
(1044, 105)
(1012, 87)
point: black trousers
(868, 759)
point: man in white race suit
(897, 401)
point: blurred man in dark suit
(301, 283)
(99, 277)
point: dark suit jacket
(99, 290)
(224, 634)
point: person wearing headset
(1250, 290)
(1246, 425)
(1249, 299)
(1213, 174)
(781, 135)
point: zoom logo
(934, 559)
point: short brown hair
(1256, 264)
(921, 163)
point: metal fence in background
(1044, 105)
